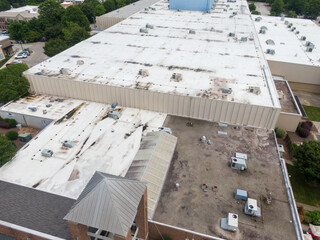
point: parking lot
(196, 163)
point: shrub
(313, 217)
(165, 238)
(12, 135)
(304, 133)
(280, 132)
(299, 127)
(12, 122)
(307, 125)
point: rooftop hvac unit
(303, 38)
(46, 153)
(310, 48)
(286, 22)
(262, 31)
(244, 39)
(48, 105)
(290, 25)
(297, 32)
(271, 51)
(177, 77)
(232, 0)
(165, 129)
(33, 109)
(114, 114)
(146, 9)
(227, 90)
(65, 71)
(44, 111)
(258, 19)
(251, 208)
(308, 44)
(231, 34)
(114, 104)
(143, 72)
(238, 163)
(234, 13)
(292, 29)
(192, 31)
(143, 30)
(68, 144)
(255, 90)
(149, 26)
(230, 223)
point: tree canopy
(12, 83)
(109, 5)
(277, 7)
(75, 15)
(308, 160)
(4, 5)
(54, 46)
(51, 12)
(7, 149)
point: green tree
(52, 32)
(4, 5)
(277, 7)
(308, 160)
(12, 83)
(312, 9)
(252, 7)
(7, 149)
(297, 5)
(17, 30)
(88, 10)
(292, 14)
(100, 10)
(12, 135)
(51, 12)
(74, 14)
(54, 46)
(73, 34)
(32, 36)
(109, 5)
(313, 217)
(120, 3)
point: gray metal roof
(34, 209)
(108, 203)
(151, 164)
(130, 9)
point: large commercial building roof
(196, 45)
(100, 144)
(36, 210)
(285, 36)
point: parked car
(21, 55)
(14, 62)
(26, 52)
(4, 32)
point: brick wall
(142, 217)
(19, 235)
(78, 231)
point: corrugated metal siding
(109, 203)
(151, 164)
(106, 22)
(186, 106)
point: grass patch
(303, 192)
(2, 62)
(312, 112)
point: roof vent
(177, 77)
(65, 71)
(290, 25)
(303, 38)
(258, 19)
(80, 62)
(33, 109)
(47, 153)
(255, 90)
(143, 73)
(149, 26)
(297, 32)
(231, 34)
(227, 90)
(146, 9)
(292, 29)
(271, 51)
(192, 31)
(68, 144)
(270, 42)
(262, 31)
(143, 30)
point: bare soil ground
(196, 163)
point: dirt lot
(196, 163)
(287, 103)
(33, 131)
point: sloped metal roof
(108, 202)
(151, 164)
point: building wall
(155, 229)
(185, 106)
(297, 73)
(288, 121)
(27, 120)
(106, 22)
(78, 231)
(313, 88)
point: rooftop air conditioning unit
(255, 90)
(271, 51)
(32, 109)
(244, 39)
(297, 32)
(290, 25)
(227, 90)
(68, 144)
(309, 43)
(177, 77)
(258, 19)
(149, 26)
(286, 22)
(143, 30)
(292, 29)
(46, 153)
(231, 34)
(303, 38)
(192, 31)
(309, 49)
